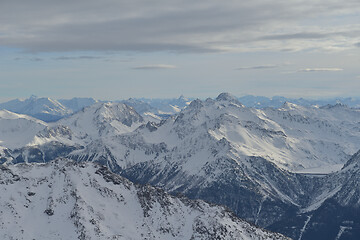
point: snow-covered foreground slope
(67, 200)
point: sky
(116, 49)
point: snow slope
(76, 104)
(66, 200)
(28, 139)
(102, 119)
(17, 130)
(292, 137)
(46, 109)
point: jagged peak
(106, 105)
(333, 106)
(210, 100)
(227, 97)
(197, 103)
(112, 107)
(290, 106)
(182, 98)
(106, 112)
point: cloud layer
(64, 58)
(155, 66)
(178, 25)
(259, 67)
(320, 70)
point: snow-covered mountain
(140, 106)
(50, 110)
(102, 119)
(31, 140)
(66, 200)
(217, 150)
(292, 137)
(77, 104)
(46, 109)
(160, 107)
(17, 129)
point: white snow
(16, 130)
(322, 170)
(304, 227)
(341, 231)
(63, 200)
(320, 199)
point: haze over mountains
(48, 109)
(292, 169)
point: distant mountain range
(50, 110)
(278, 101)
(46, 109)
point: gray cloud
(352, 33)
(155, 66)
(357, 44)
(320, 70)
(78, 58)
(303, 35)
(34, 59)
(258, 67)
(178, 25)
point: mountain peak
(334, 106)
(101, 119)
(182, 98)
(115, 111)
(197, 103)
(289, 106)
(227, 97)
